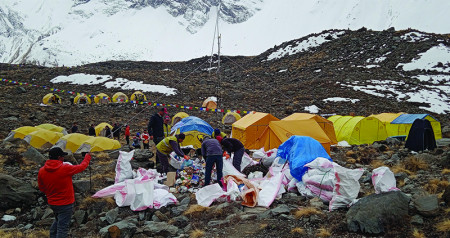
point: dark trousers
(60, 226)
(156, 140)
(127, 138)
(210, 161)
(164, 159)
(237, 158)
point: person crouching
(166, 146)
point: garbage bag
(347, 187)
(383, 180)
(208, 194)
(123, 166)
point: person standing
(166, 146)
(155, 126)
(212, 152)
(166, 126)
(116, 131)
(108, 132)
(74, 128)
(127, 134)
(55, 180)
(91, 130)
(233, 145)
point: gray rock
(48, 211)
(36, 212)
(218, 223)
(178, 210)
(317, 203)
(287, 217)
(281, 209)
(28, 226)
(155, 219)
(427, 205)
(185, 201)
(127, 227)
(11, 119)
(265, 215)
(223, 205)
(250, 217)
(446, 132)
(401, 176)
(392, 141)
(142, 155)
(187, 228)
(21, 90)
(34, 155)
(81, 186)
(159, 229)
(255, 210)
(180, 221)
(111, 215)
(416, 220)
(80, 216)
(15, 193)
(370, 214)
(443, 142)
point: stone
(317, 203)
(11, 118)
(281, 209)
(142, 155)
(287, 217)
(80, 216)
(250, 217)
(48, 211)
(446, 132)
(36, 212)
(161, 216)
(443, 142)
(416, 220)
(401, 176)
(15, 192)
(33, 155)
(178, 210)
(185, 201)
(393, 141)
(426, 205)
(371, 214)
(152, 228)
(111, 215)
(28, 226)
(81, 186)
(21, 90)
(179, 221)
(265, 215)
(218, 223)
(126, 227)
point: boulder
(152, 228)
(81, 186)
(371, 214)
(142, 155)
(15, 193)
(80, 216)
(426, 205)
(281, 209)
(33, 155)
(446, 132)
(443, 142)
(111, 215)
(125, 228)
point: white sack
(347, 187)
(269, 190)
(125, 196)
(123, 166)
(175, 161)
(143, 198)
(229, 169)
(208, 194)
(383, 180)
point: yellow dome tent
(51, 98)
(102, 98)
(210, 103)
(230, 118)
(138, 96)
(94, 144)
(52, 127)
(100, 129)
(358, 130)
(326, 125)
(392, 129)
(178, 117)
(21, 132)
(42, 138)
(82, 99)
(249, 128)
(119, 97)
(72, 142)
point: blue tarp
(409, 118)
(192, 123)
(300, 150)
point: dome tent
(326, 125)
(51, 98)
(102, 98)
(100, 129)
(138, 96)
(119, 97)
(82, 99)
(408, 120)
(210, 103)
(230, 118)
(52, 127)
(178, 117)
(392, 129)
(249, 128)
(21, 132)
(358, 130)
(43, 139)
(192, 127)
(94, 144)
(71, 142)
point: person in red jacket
(127, 134)
(55, 180)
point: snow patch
(312, 109)
(339, 99)
(8, 218)
(430, 59)
(414, 37)
(434, 79)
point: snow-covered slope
(55, 32)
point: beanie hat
(181, 136)
(217, 131)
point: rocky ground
(246, 83)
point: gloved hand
(187, 157)
(226, 155)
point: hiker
(217, 132)
(74, 128)
(55, 180)
(166, 146)
(155, 127)
(127, 134)
(116, 131)
(145, 137)
(166, 126)
(212, 152)
(137, 141)
(107, 132)
(233, 145)
(91, 130)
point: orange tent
(326, 125)
(249, 128)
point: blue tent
(409, 118)
(192, 123)
(300, 150)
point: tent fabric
(47, 99)
(408, 120)
(94, 144)
(280, 131)
(82, 99)
(392, 129)
(300, 150)
(42, 138)
(230, 118)
(119, 97)
(52, 127)
(102, 98)
(210, 103)
(250, 127)
(358, 130)
(421, 136)
(21, 132)
(178, 117)
(192, 127)
(100, 129)
(138, 96)
(71, 142)
(326, 125)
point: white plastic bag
(269, 190)
(246, 161)
(347, 187)
(143, 198)
(229, 169)
(208, 194)
(123, 166)
(383, 180)
(175, 161)
(125, 196)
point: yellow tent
(72, 142)
(249, 128)
(178, 117)
(358, 130)
(210, 103)
(119, 97)
(279, 131)
(94, 144)
(100, 129)
(102, 98)
(392, 129)
(43, 138)
(51, 98)
(82, 99)
(230, 118)
(326, 125)
(21, 132)
(52, 127)
(191, 138)
(138, 96)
